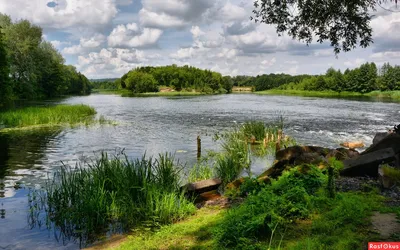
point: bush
(285, 200)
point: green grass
(193, 233)
(53, 115)
(387, 95)
(309, 93)
(293, 212)
(115, 195)
(166, 94)
(200, 171)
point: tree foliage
(5, 83)
(178, 78)
(364, 79)
(345, 24)
(35, 67)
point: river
(156, 125)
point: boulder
(343, 154)
(392, 140)
(367, 164)
(379, 136)
(203, 186)
(297, 155)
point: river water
(156, 125)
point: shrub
(285, 200)
(200, 171)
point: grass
(388, 95)
(200, 171)
(166, 94)
(193, 233)
(293, 212)
(54, 115)
(114, 195)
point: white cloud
(58, 44)
(267, 63)
(85, 44)
(354, 63)
(132, 36)
(111, 62)
(91, 14)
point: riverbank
(46, 116)
(390, 95)
(349, 221)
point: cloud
(354, 63)
(58, 44)
(239, 28)
(111, 62)
(85, 44)
(131, 36)
(91, 14)
(267, 63)
(164, 14)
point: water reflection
(21, 154)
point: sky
(107, 38)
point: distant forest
(366, 78)
(31, 68)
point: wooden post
(198, 147)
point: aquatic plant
(52, 115)
(115, 194)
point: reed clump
(52, 115)
(116, 194)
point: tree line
(364, 79)
(187, 78)
(31, 68)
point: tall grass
(54, 115)
(116, 194)
(200, 171)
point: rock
(297, 155)
(379, 136)
(385, 180)
(352, 145)
(367, 164)
(292, 153)
(343, 154)
(392, 140)
(203, 186)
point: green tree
(345, 24)
(5, 83)
(140, 82)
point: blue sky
(107, 38)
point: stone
(367, 164)
(385, 180)
(379, 136)
(352, 145)
(392, 140)
(343, 154)
(203, 186)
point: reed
(115, 194)
(53, 115)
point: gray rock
(367, 164)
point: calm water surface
(157, 125)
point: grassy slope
(55, 115)
(394, 95)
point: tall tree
(344, 23)
(5, 83)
